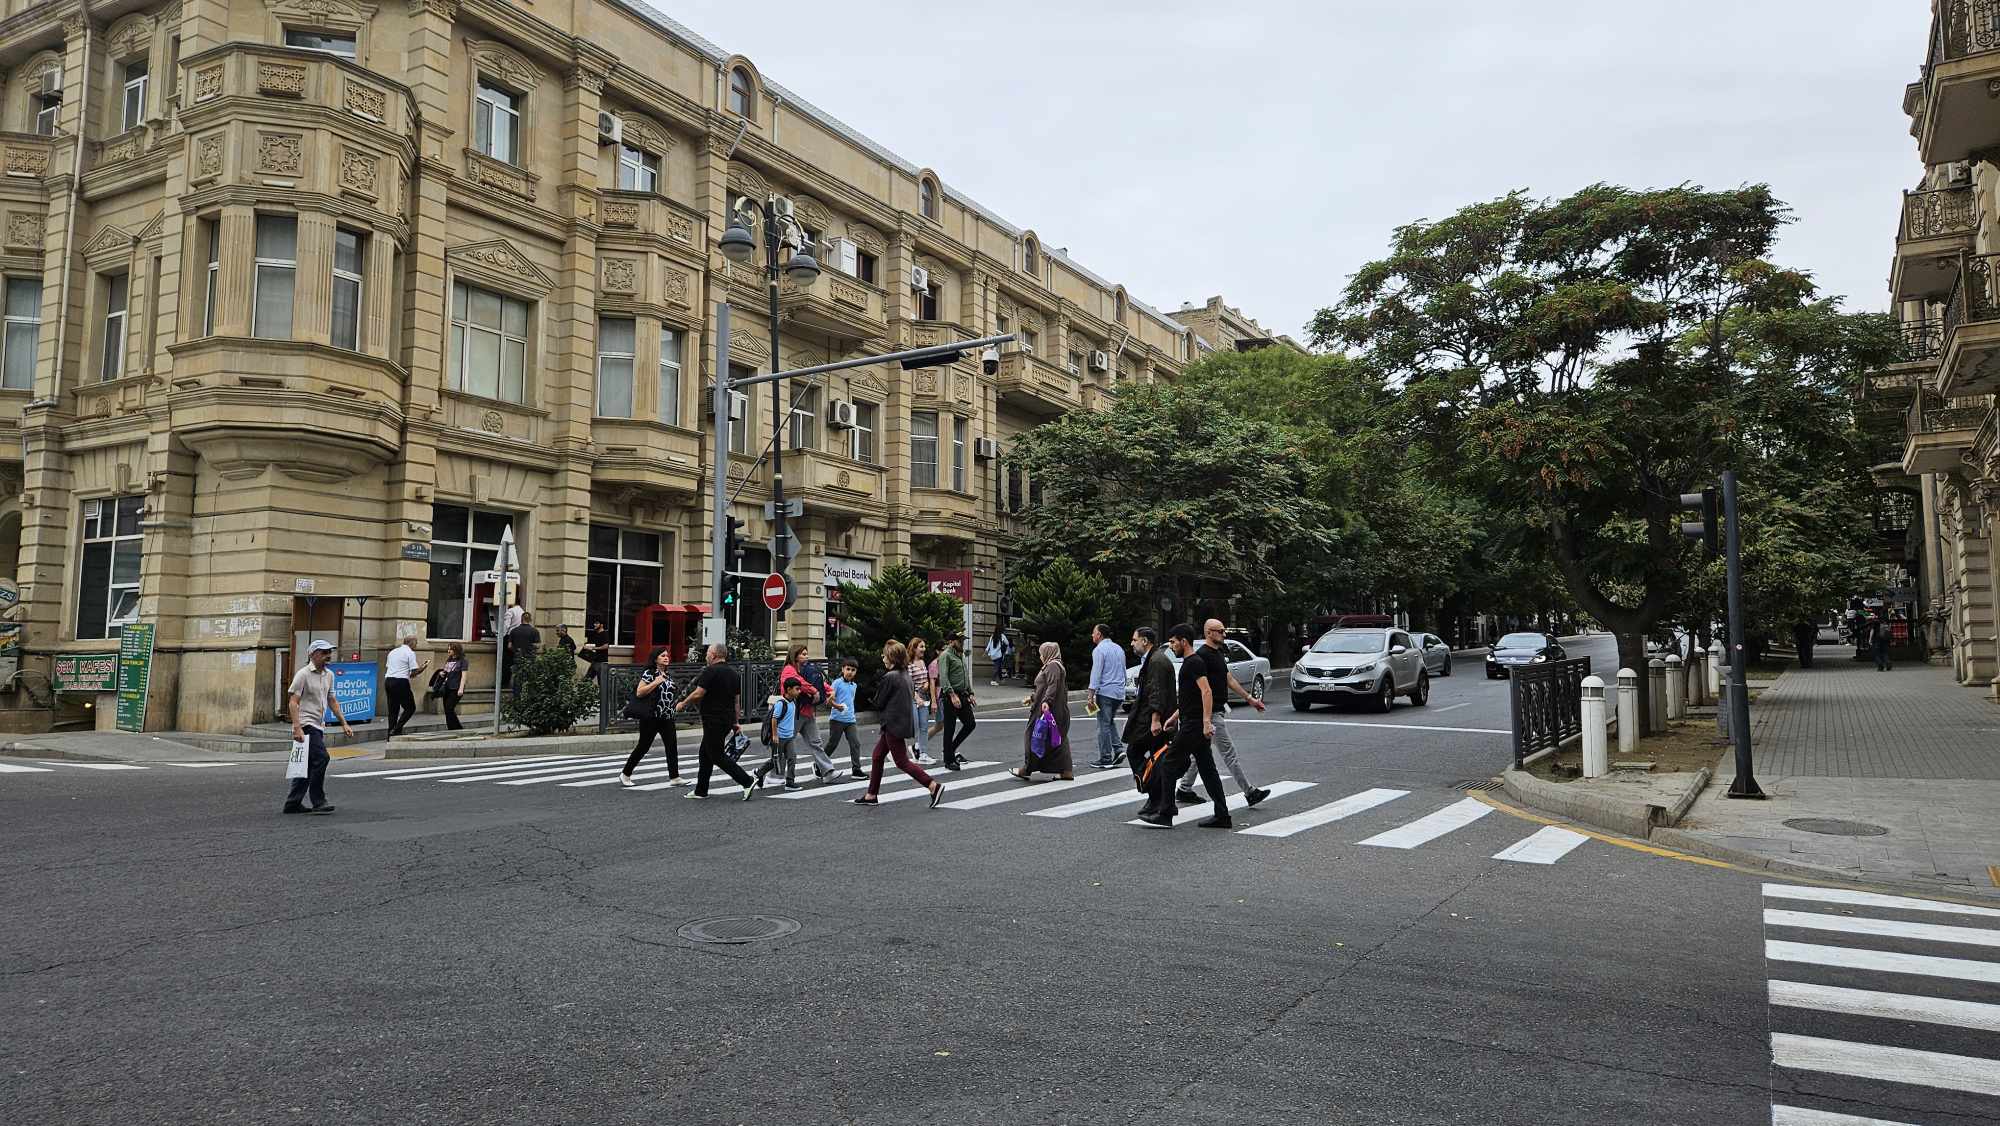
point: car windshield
(1521, 641)
(1352, 641)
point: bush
(896, 606)
(551, 698)
(747, 646)
(1060, 604)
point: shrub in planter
(551, 698)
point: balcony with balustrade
(1035, 387)
(1970, 361)
(830, 481)
(1954, 115)
(1888, 389)
(847, 309)
(1941, 430)
(1936, 226)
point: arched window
(741, 93)
(1031, 257)
(927, 198)
(1121, 307)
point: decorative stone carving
(845, 481)
(365, 100)
(24, 160)
(674, 286)
(865, 237)
(680, 228)
(357, 172)
(494, 174)
(73, 24)
(26, 228)
(926, 382)
(492, 422)
(849, 294)
(281, 80)
(812, 212)
(130, 36)
(499, 257)
(745, 179)
(585, 78)
(207, 83)
(111, 239)
(208, 156)
(121, 148)
(621, 213)
(446, 9)
(281, 154)
(621, 275)
(322, 13)
(503, 64)
(644, 133)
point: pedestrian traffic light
(1704, 529)
(732, 543)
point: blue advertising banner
(354, 687)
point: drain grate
(1834, 827)
(736, 929)
(1479, 785)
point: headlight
(1540, 657)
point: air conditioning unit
(610, 130)
(840, 415)
(1071, 368)
(738, 402)
(840, 254)
(1100, 361)
(920, 278)
(985, 449)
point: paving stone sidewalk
(1843, 719)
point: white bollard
(1676, 687)
(1697, 677)
(1656, 696)
(1628, 711)
(1596, 762)
(1714, 663)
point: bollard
(1697, 675)
(1628, 711)
(1714, 662)
(1596, 762)
(1722, 711)
(1656, 696)
(1676, 687)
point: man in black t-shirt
(719, 692)
(1195, 701)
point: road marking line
(1108, 801)
(1894, 1065)
(1432, 826)
(687, 777)
(592, 778)
(951, 785)
(1037, 790)
(890, 776)
(200, 765)
(93, 765)
(531, 775)
(1872, 899)
(1546, 845)
(1276, 788)
(1390, 726)
(1888, 928)
(13, 768)
(423, 771)
(1325, 814)
(1892, 1006)
(1800, 1116)
(1452, 707)
(1882, 961)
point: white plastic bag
(295, 767)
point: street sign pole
(1745, 785)
(715, 623)
(503, 564)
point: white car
(1376, 665)
(1250, 670)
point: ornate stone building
(308, 300)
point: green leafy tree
(551, 697)
(895, 606)
(1061, 604)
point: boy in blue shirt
(784, 727)
(841, 722)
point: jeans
(1227, 746)
(402, 703)
(313, 785)
(923, 715)
(781, 759)
(714, 736)
(648, 728)
(450, 701)
(1107, 728)
(809, 734)
(953, 717)
(892, 746)
(838, 730)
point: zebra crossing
(59, 766)
(1298, 807)
(1881, 1001)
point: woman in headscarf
(1051, 698)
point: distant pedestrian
(402, 668)
(1221, 682)
(894, 703)
(923, 695)
(1145, 727)
(308, 699)
(448, 683)
(1107, 692)
(1000, 650)
(1878, 643)
(781, 731)
(841, 721)
(1804, 636)
(596, 649)
(1194, 726)
(719, 691)
(812, 692)
(563, 639)
(1050, 698)
(513, 616)
(522, 642)
(954, 695)
(656, 697)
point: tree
(896, 605)
(1061, 604)
(550, 698)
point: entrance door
(314, 618)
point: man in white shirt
(309, 697)
(402, 669)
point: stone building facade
(307, 300)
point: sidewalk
(1906, 763)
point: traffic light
(732, 543)
(942, 359)
(1704, 529)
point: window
(1002, 325)
(861, 439)
(958, 454)
(927, 302)
(637, 171)
(173, 70)
(489, 344)
(1075, 360)
(744, 401)
(923, 449)
(864, 266)
(805, 419)
(332, 42)
(107, 589)
(1013, 489)
(23, 333)
(211, 234)
(496, 123)
(1031, 258)
(463, 541)
(1034, 492)
(116, 291)
(927, 198)
(135, 94)
(670, 375)
(1120, 307)
(617, 345)
(741, 94)
(48, 103)
(350, 250)
(1030, 340)
(277, 276)
(624, 579)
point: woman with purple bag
(1047, 742)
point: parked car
(1829, 630)
(1437, 655)
(1250, 670)
(1516, 649)
(1376, 665)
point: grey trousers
(809, 731)
(1225, 749)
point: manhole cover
(1480, 785)
(739, 928)
(1834, 827)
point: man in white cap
(309, 697)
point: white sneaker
(680, 782)
(626, 780)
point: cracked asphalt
(172, 950)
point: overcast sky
(1263, 149)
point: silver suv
(1376, 665)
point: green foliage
(551, 697)
(896, 606)
(1061, 604)
(747, 646)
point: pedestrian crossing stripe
(1107, 801)
(1037, 789)
(1878, 1061)
(1801, 1116)
(428, 771)
(1432, 826)
(17, 768)
(1882, 928)
(1325, 814)
(1882, 961)
(1850, 898)
(93, 765)
(890, 777)
(1547, 845)
(1890, 1006)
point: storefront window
(625, 572)
(463, 541)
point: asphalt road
(452, 949)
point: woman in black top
(657, 694)
(899, 722)
(449, 684)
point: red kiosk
(670, 626)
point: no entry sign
(775, 591)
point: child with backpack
(840, 725)
(780, 729)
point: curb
(1622, 816)
(1692, 841)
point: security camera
(989, 360)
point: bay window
(277, 276)
(22, 334)
(617, 344)
(923, 449)
(670, 375)
(350, 250)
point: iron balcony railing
(1971, 299)
(1930, 414)
(1548, 705)
(1970, 27)
(1939, 212)
(1922, 340)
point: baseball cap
(319, 647)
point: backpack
(769, 734)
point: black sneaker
(1255, 796)
(1219, 821)
(1155, 821)
(294, 807)
(1118, 757)
(792, 786)
(937, 794)
(955, 764)
(857, 774)
(866, 800)
(323, 807)
(1186, 796)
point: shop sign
(85, 672)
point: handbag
(295, 766)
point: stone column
(312, 292)
(893, 439)
(236, 270)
